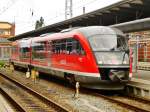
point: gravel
(65, 95)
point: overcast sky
(25, 12)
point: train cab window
(39, 50)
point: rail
(122, 103)
(16, 105)
(43, 98)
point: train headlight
(100, 62)
(124, 62)
(130, 75)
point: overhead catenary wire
(58, 17)
(62, 13)
(8, 6)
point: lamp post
(137, 52)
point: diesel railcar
(96, 56)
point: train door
(39, 53)
(49, 52)
(74, 54)
(58, 55)
(24, 51)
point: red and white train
(96, 56)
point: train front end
(110, 49)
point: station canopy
(123, 11)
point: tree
(39, 23)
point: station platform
(142, 75)
(139, 84)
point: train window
(63, 46)
(24, 52)
(80, 49)
(58, 46)
(53, 46)
(74, 47)
(69, 43)
(14, 49)
(39, 50)
(67, 46)
(49, 47)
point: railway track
(26, 99)
(129, 103)
(17, 106)
(133, 103)
(13, 106)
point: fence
(141, 55)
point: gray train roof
(101, 30)
(86, 31)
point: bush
(2, 63)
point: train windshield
(108, 42)
(110, 49)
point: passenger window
(25, 52)
(39, 50)
(80, 49)
(53, 47)
(49, 46)
(14, 50)
(57, 46)
(67, 46)
(74, 47)
(63, 46)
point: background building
(6, 30)
(140, 43)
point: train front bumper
(97, 83)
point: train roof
(101, 30)
(87, 31)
